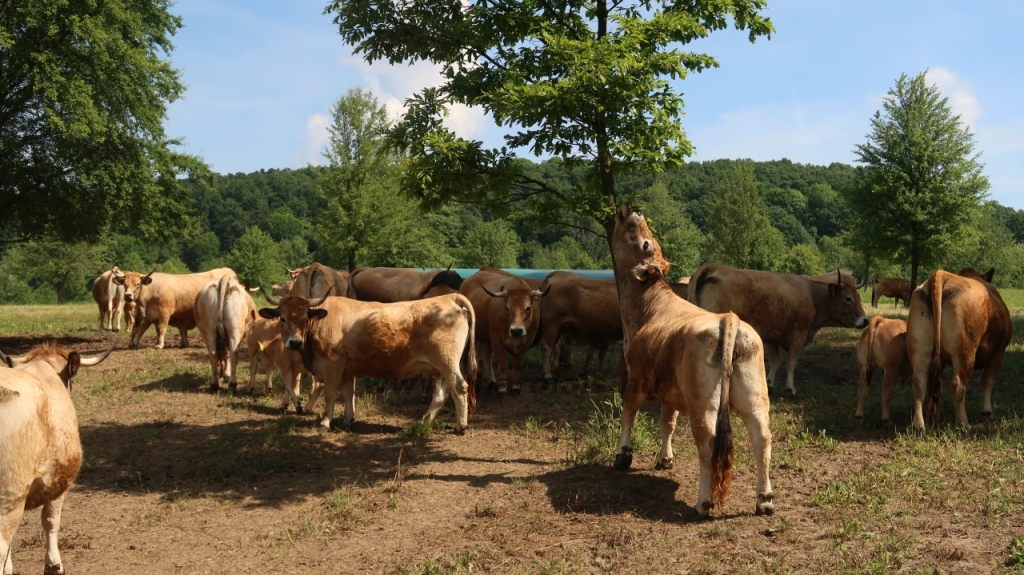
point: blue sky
(262, 74)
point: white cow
(223, 311)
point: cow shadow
(177, 383)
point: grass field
(177, 480)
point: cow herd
(697, 346)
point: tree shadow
(19, 345)
(178, 383)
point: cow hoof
(765, 504)
(547, 383)
(57, 569)
(887, 423)
(298, 410)
(858, 416)
(624, 459)
(213, 388)
(704, 509)
(986, 415)
(491, 386)
(460, 431)
(792, 393)
(502, 395)
(516, 391)
(323, 429)
(664, 464)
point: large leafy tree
(739, 231)
(84, 88)
(586, 81)
(923, 182)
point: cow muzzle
(293, 343)
(128, 297)
(517, 331)
(862, 322)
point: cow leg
(316, 389)
(889, 380)
(161, 331)
(517, 370)
(862, 390)
(254, 361)
(291, 384)
(919, 384)
(958, 384)
(287, 393)
(792, 354)
(486, 353)
(51, 525)
(10, 518)
(774, 361)
(118, 311)
(549, 347)
(601, 353)
(988, 380)
(501, 358)
(440, 396)
(331, 384)
(751, 403)
(668, 427)
(702, 425)
(184, 337)
(140, 328)
(214, 371)
(233, 368)
(630, 406)
(348, 393)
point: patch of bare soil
(179, 480)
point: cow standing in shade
(688, 360)
(266, 349)
(316, 279)
(223, 311)
(957, 319)
(583, 309)
(389, 285)
(896, 288)
(883, 344)
(787, 310)
(40, 451)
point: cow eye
(527, 310)
(647, 245)
(280, 319)
(849, 299)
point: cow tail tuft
(220, 344)
(933, 398)
(468, 362)
(721, 453)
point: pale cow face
(635, 246)
(133, 282)
(294, 314)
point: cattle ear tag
(260, 344)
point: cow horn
(541, 292)
(150, 273)
(287, 269)
(269, 299)
(320, 301)
(255, 289)
(492, 294)
(839, 277)
(93, 360)
(449, 268)
(6, 360)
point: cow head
(635, 248)
(844, 309)
(294, 314)
(519, 304)
(973, 274)
(133, 282)
(65, 363)
(313, 281)
(282, 289)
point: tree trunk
(914, 263)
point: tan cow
(40, 451)
(266, 350)
(959, 320)
(223, 311)
(109, 296)
(507, 321)
(882, 344)
(316, 279)
(681, 287)
(388, 285)
(341, 338)
(285, 288)
(689, 360)
(166, 300)
(890, 287)
(787, 310)
(583, 309)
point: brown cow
(681, 287)
(316, 279)
(787, 310)
(166, 299)
(109, 296)
(959, 320)
(345, 338)
(583, 309)
(689, 360)
(266, 350)
(40, 451)
(883, 344)
(223, 311)
(506, 321)
(388, 285)
(890, 287)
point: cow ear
(316, 313)
(74, 362)
(833, 289)
(146, 281)
(119, 280)
(270, 313)
(623, 211)
(640, 272)
(990, 274)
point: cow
(507, 320)
(388, 285)
(681, 287)
(109, 296)
(890, 287)
(40, 449)
(787, 310)
(316, 279)
(341, 338)
(583, 309)
(166, 299)
(691, 360)
(266, 349)
(282, 289)
(960, 320)
(883, 344)
(223, 311)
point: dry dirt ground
(179, 480)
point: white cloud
(959, 92)
(317, 137)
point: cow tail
(220, 344)
(933, 398)
(721, 453)
(872, 327)
(468, 362)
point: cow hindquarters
(958, 384)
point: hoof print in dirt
(624, 460)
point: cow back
(588, 307)
(388, 285)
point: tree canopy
(84, 89)
(923, 182)
(587, 82)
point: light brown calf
(883, 344)
(689, 360)
(266, 350)
(40, 451)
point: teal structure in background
(541, 274)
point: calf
(223, 311)
(882, 344)
(689, 360)
(40, 451)
(266, 349)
